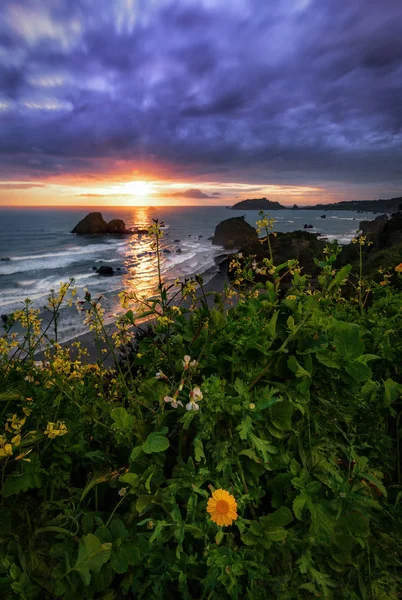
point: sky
(133, 102)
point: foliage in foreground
(290, 401)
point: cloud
(216, 193)
(19, 186)
(191, 193)
(301, 92)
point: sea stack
(234, 233)
(94, 223)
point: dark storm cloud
(297, 91)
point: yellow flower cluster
(55, 429)
(11, 438)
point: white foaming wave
(342, 238)
(50, 261)
(71, 251)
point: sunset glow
(159, 103)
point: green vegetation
(289, 400)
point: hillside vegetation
(247, 451)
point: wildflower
(222, 508)
(195, 394)
(55, 429)
(160, 375)
(173, 401)
(187, 362)
(383, 282)
(251, 406)
(398, 268)
(123, 491)
(23, 455)
(6, 450)
(291, 297)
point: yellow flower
(222, 508)
(55, 429)
(6, 450)
(383, 282)
(398, 268)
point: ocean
(38, 252)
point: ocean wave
(54, 260)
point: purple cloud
(299, 92)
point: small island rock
(105, 270)
(116, 226)
(234, 233)
(94, 223)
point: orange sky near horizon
(158, 192)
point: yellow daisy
(222, 508)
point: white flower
(186, 361)
(254, 264)
(159, 375)
(195, 394)
(123, 491)
(173, 401)
(240, 255)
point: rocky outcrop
(234, 233)
(116, 226)
(105, 270)
(94, 223)
(373, 228)
(257, 204)
(306, 226)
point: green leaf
(250, 454)
(280, 518)
(358, 370)
(122, 420)
(91, 556)
(155, 442)
(119, 560)
(281, 414)
(264, 447)
(143, 502)
(272, 324)
(198, 450)
(30, 477)
(245, 428)
(325, 359)
(296, 367)
(392, 391)
(299, 504)
(118, 529)
(340, 276)
(219, 537)
(304, 562)
(347, 340)
(131, 478)
(135, 453)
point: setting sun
(138, 188)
